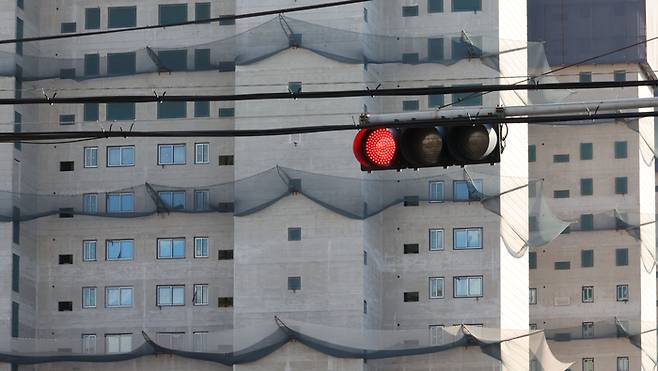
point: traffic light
(395, 148)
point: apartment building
(596, 278)
(112, 267)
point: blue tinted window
(120, 202)
(67, 73)
(410, 105)
(532, 153)
(586, 151)
(621, 257)
(434, 6)
(201, 109)
(202, 59)
(66, 119)
(172, 13)
(90, 112)
(294, 283)
(466, 5)
(562, 265)
(92, 18)
(14, 319)
(121, 16)
(561, 194)
(172, 110)
(294, 234)
(532, 260)
(435, 50)
(620, 76)
(586, 187)
(410, 58)
(587, 222)
(621, 185)
(120, 111)
(121, 63)
(585, 77)
(119, 250)
(173, 60)
(92, 64)
(467, 99)
(67, 27)
(202, 11)
(226, 112)
(587, 258)
(463, 49)
(410, 11)
(561, 158)
(19, 35)
(621, 149)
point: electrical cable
(461, 121)
(325, 94)
(178, 24)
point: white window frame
(532, 296)
(200, 294)
(121, 149)
(623, 363)
(107, 249)
(88, 244)
(173, 147)
(197, 241)
(172, 241)
(92, 294)
(85, 204)
(468, 288)
(624, 291)
(591, 294)
(200, 341)
(436, 334)
(468, 230)
(171, 205)
(206, 205)
(87, 163)
(123, 290)
(124, 343)
(88, 343)
(171, 289)
(441, 282)
(440, 239)
(202, 150)
(171, 340)
(432, 191)
(477, 183)
(121, 195)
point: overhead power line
(461, 121)
(178, 24)
(325, 94)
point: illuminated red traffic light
(375, 148)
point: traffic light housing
(403, 148)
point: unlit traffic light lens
(422, 147)
(473, 143)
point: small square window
(410, 296)
(226, 160)
(410, 11)
(227, 112)
(561, 266)
(586, 187)
(585, 77)
(66, 119)
(621, 185)
(411, 248)
(68, 27)
(466, 99)
(560, 158)
(225, 302)
(294, 234)
(621, 149)
(202, 109)
(587, 258)
(621, 257)
(587, 294)
(295, 87)
(201, 11)
(225, 254)
(202, 59)
(66, 166)
(622, 293)
(294, 283)
(620, 75)
(467, 238)
(434, 6)
(65, 306)
(90, 113)
(532, 153)
(586, 151)
(65, 259)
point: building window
(585, 77)
(201, 153)
(295, 87)
(532, 153)
(118, 343)
(623, 364)
(118, 297)
(89, 251)
(91, 157)
(586, 187)
(410, 11)
(169, 296)
(201, 200)
(532, 260)
(15, 272)
(121, 156)
(562, 266)
(436, 239)
(435, 100)
(200, 247)
(435, 50)
(621, 149)
(621, 185)
(465, 99)
(436, 191)
(201, 11)
(410, 105)
(587, 258)
(294, 234)
(200, 294)
(467, 287)
(564, 193)
(171, 248)
(621, 257)
(410, 248)
(561, 158)
(14, 319)
(588, 364)
(172, 14)
(173, 199)
(16, 225)
(172, 110)
(202, 109)
(226, 112)
(121, 64)
(92, 67)
(90, 203)
(92, 18)
(436, 288)
(588, 330)
(463, 190)
(466, 5)
(410, 297)
(434, 6)
(120, 202)
(365, 307)
(586, 222)
(119, 250)
(200, 341)
(532, 296)
(224, 254)
(294, 283)
(66, 119)
(586, 151)
(19, 35)
(90, 112)
(89, 297)
(68, 27)
(120, 111)
(622, 292)
(171, 154)
(436, 334)
(89, 343)
(587, 294)
(467, 238)
(620, 75)
(121, 16)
